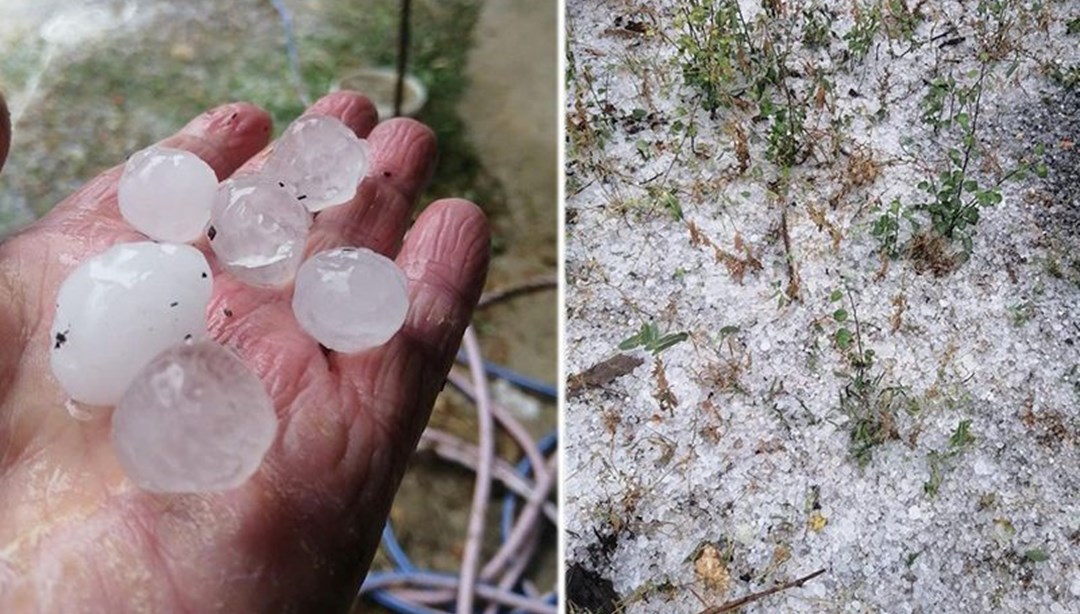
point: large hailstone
(166, 193)
(350, 299)
(258, 230)
(194, 420)
(319, 159)
(119, 309)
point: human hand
(77, 536)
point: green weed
(860, 39)
(869, 402)
(652, 340)
(718, 56)
(953, 198)
(960, 440)
(886, 227)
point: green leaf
(1036, 555)
(650, 333)
(729, 330)
(645, 335)
(839, 315)
(1041, 170)
(630, 343)
(843, 338)
(836, 295)
(962, 435)
(667, 341)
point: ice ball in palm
(166, 193)
(319, 159)
(119, 309)
(350, 299)
(258, 230)
(194, 420)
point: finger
(353, 109)
(403, 154)
(445, 259)
(357, 454)
(5, 130)
(224, 138)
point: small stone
(166, 193)
(319, 160)
(259, 230)
(114, 314)
(350, 299)
(196, 419)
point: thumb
(5, 130)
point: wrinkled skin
(76, 536)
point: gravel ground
(940, 473)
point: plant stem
(969, 146)
(402, 55)
(752, 597)
(858, 329)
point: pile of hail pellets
(130, 329)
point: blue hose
(403, 565)
(524, 469)
(524, 382)
(385, 579)
(395, 551)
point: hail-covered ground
(865, 217)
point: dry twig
(752, 597)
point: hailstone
(350, 299)
(258, 230)
(194, 420)
(166, 193)
(319, 159)
(119, 309)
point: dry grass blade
(734, 604)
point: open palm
(77, 536)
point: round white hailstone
(350, 299)
(194, 420)
(319, 159)
(119, 309)
(258, 230)
(166, 193)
